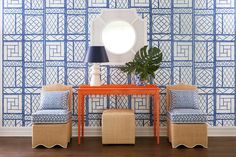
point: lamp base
(95, 75)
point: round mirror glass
(118, 37)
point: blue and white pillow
(54, 100)
(183, 99)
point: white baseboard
(96, 131)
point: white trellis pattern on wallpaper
(45, 41)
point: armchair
(185, 125)
(53, 126)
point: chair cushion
(183, 99)
(187, 116)
(51, 116)
(54, 100)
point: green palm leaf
(146, 62)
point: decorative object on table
(96, 55)
(186, 123)
(144, 65)
(138, 81)
(52, 123)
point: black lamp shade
(96, 54)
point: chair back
(60, 87)
(176, 87)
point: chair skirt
(50, 135)
(188, 134)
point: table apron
(117, 93)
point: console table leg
(79, 115)
(154, 115)
(82, 113)
(158, 118)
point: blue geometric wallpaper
(45, 41)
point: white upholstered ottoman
(118, 126)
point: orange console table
(128, 89)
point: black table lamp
(96, 55)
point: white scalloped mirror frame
(104, 27)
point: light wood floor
(92, 147)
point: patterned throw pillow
(183, 99)
(54, 100)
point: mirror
(122, 31)
(118, 37)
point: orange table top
(152, 86)
(123, 89)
